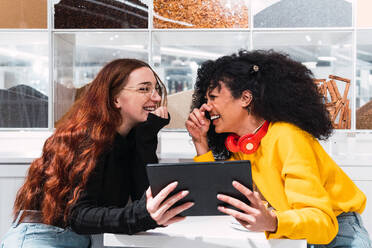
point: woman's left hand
(162, 112)
(255, 217)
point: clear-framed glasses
(148, 90)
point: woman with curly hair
(264, 107)
(91, 177)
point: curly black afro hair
(282, 90)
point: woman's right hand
(161, 111)
(160, 211)
(198, 125)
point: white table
(203, 232)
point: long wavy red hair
(54, 180)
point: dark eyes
(209, 97)
(144, 89)
(148, 89)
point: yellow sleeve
(206, 157)
(311, 215)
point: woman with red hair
(91, 177)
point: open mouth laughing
(150, 108)
(215, 117)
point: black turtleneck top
(114, 199)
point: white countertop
(200, 231)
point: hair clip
(255, 68)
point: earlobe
(116, 102)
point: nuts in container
(200, 14)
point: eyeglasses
(148, 90)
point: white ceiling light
(327, 58)
(310, 64)
(189, 53)
(22, 55)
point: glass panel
(100, 14)
(23, 14)
(24, 80)
(364, 13)
(301, 13)
(325, 54)
(177, 56)
(364, 80)
(79, 57)
(201, 13)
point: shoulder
(280, 129)
(287, 133)
(291, 144)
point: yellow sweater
(300, 180)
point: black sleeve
(87, 216)
(146, 139)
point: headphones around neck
(248, 143)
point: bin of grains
(200, 14)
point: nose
(209, 102)
(155, 96)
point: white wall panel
(8, 189)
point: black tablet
(203, 180)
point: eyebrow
(209, 92)
(144, 83)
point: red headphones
(248, 143)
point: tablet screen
(204, 181)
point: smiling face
(228, 114)
(134, 104)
